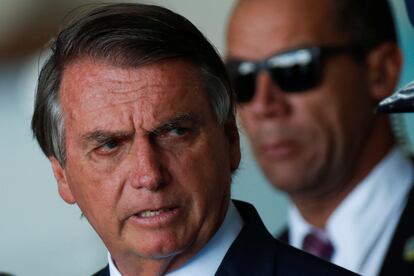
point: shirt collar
(209, 258)
(113, 271)
(363, 210)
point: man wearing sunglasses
(308, 76)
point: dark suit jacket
(256, 252)
(396, 261)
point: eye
(111, 144)
(108, 147)
(173, 133)
(179, 131)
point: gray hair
(126, 35)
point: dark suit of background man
(135, 112)
(308, 76)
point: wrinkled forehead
(92, 84)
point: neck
(316, 207)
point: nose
(147, 171)
(269, 100)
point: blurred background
(39, 233)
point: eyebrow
(101, 136)
(177, 121)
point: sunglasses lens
(243, 78)
(295, 71)
(244, 86)
(296, 78)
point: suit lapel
(103, 272)
(254, 245)
(283, 236)
(399, 259)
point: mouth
(156, 217)
(153, 213)
(279, 151)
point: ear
(63, 187)
(234, 144)
(384, 63)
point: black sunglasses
(292, 71)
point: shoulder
(256, 252)
(292, 261)
(283, 235)
(398, 259)
(103, 272)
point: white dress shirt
(209, 258)
(362, 226)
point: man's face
(309, 139)
(147, 162)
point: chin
(154, 252)
(286, 183)
(164, 248)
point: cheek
(202, 171)
(94, 191)
(97, 202)
(245, 118)
(249, 127)
(347, 99)
(318, 126)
